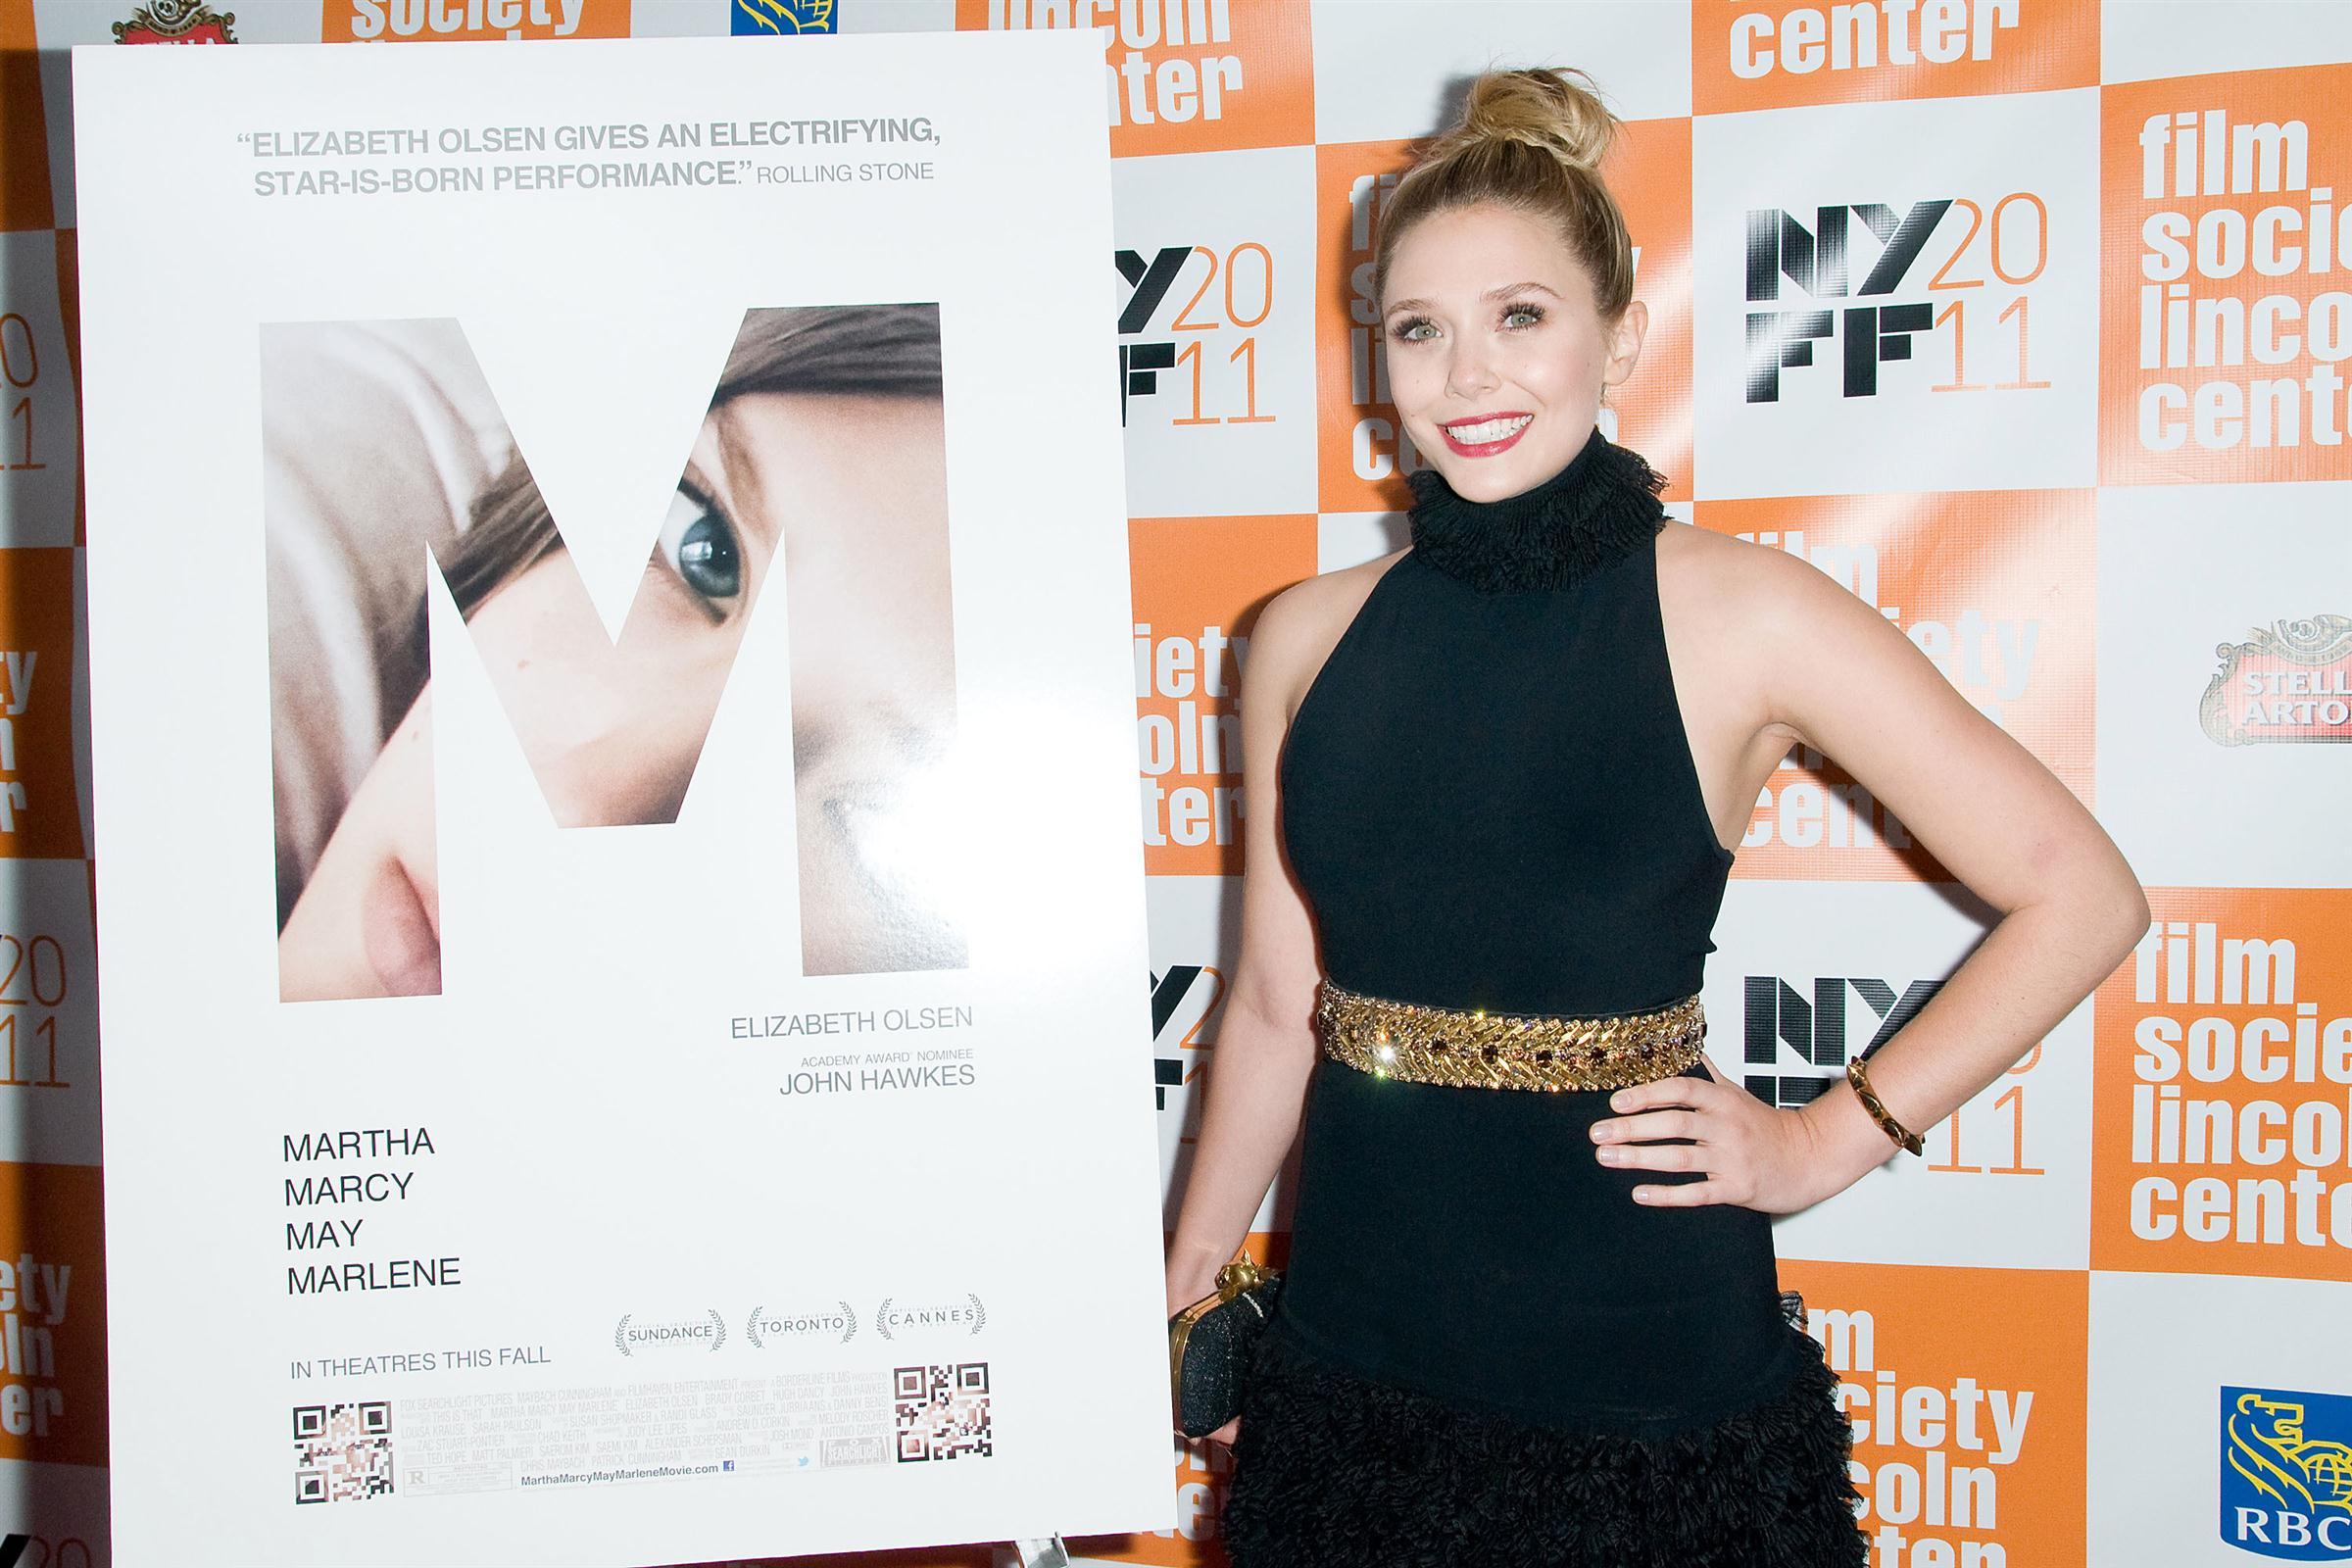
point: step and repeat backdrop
(2025, 319)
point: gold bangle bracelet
(1904, 1138)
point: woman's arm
(1266, 1044)
(1838, 677)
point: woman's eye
(700, 546)
(1523, 316)
(1414, 329)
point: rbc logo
(2287, 1474)
(780, 19)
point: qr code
(342, 1452)
(942, 1410)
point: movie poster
(620, 914)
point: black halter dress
(1485, 1352)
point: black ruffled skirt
(1331, 1468)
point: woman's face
(1497, 357)
(612, 731)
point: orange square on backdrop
(40, 814)
(2222, 1088)
(1200, 76)
(1199, 584)
(1967, 1388)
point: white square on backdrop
(1803, 323)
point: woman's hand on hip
(1749, 1153)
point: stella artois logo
(2294, 682)
(176, 22)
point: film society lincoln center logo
(426, 21)
(2287, 1474)
(1199, 584)
(2222, 1089)
(1184, 76)
(2225, 315)
(1968, 1437)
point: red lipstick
(1486, 449)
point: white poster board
(622, 924)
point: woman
(1531, 1315)
(381, 441)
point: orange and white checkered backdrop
(2021, 318)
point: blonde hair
(1531, 140)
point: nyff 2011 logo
(1246, 271)
(2287, 1474)
(1815, 1028)
(1820, 262)
(1183, 996)
(1997, 249)
(1148, 284)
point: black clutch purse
(1211, 1342)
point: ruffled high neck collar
(1596, 509)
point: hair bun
(1542, 109)
(1532, 140)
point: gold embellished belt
(1481, 1049)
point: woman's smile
(1484, 435)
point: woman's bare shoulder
(1717, 559)
(1300, 625)
(1740, 586)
